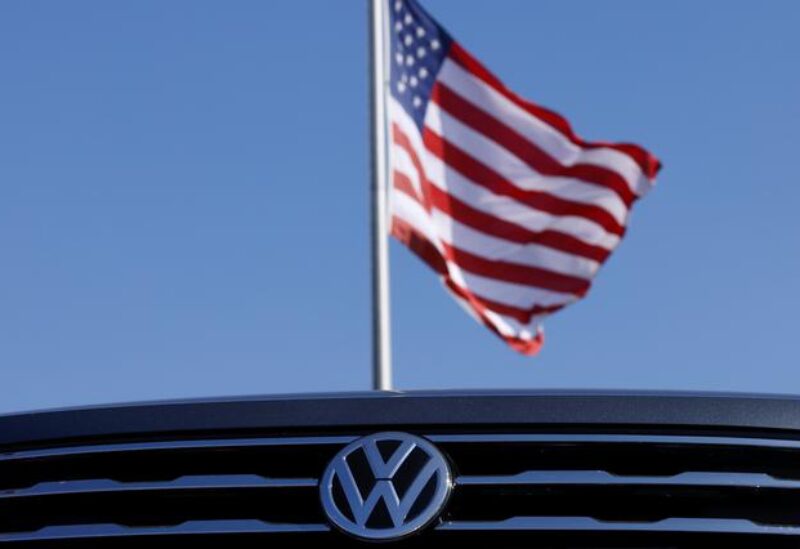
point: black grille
(626, 489)
(511, 490)
(164, 488)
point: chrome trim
(691, 478)
(438, 438)
(518, 524)
(197, 527)
(189, 482)
(619, 439)
(588, 524)
(175, 445)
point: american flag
(512, 209)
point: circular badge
(385, 486)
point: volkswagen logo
(385, 486)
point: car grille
(511, 490)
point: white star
(409, 60)
(401, 87)
(398, 26)
(423, 72)
(420, 32)
(408, 40)
(398, 5)
(413, 81)
(435, 44)
(399, 58)
(408, 20)
(421, 52)
(417, 101)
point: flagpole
(381, 328)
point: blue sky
(184, 205)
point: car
(408, 469)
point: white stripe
(399, 116)
(410, 211)
(514, 170)
(502, 324)
(401, 162)
(496, 249)
(515, 328)
(508, 293)
(505, 325)
(537, 131)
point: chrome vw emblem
(385, 486)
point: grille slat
(279, 457)
(191, 528)
(199, 482)
(191, 444)
(530, 524)
(755, 481)
(592, 438)
(588, 524)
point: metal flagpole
(381, 328)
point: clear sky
(184, 205)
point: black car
(489, 470)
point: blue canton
(418, 48)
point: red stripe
(523, 316)
(401, 139)
(483, 175)
(417, 243)
(526, 347)
(506, 230)
(488, 224)
(529, 347)
(402, 183)
(515, 272)
(648, 163)
(426, 251)
(524, 149)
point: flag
(512, 209)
